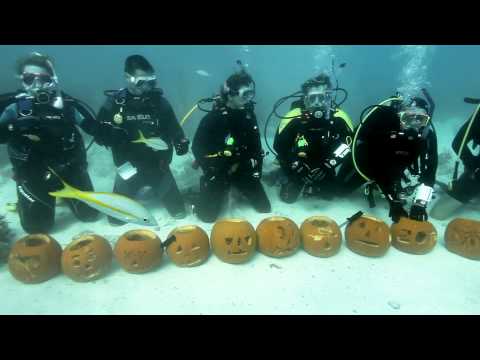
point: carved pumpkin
(413, 237)
(190, 247)
(368, 236)
(87, 258)
(139, 251)
(278, 236)
(321, 236)
(462, 237)
(35, 258)
(233, 240)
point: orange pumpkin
(190, 246)
(139, 251)
(413, 237)
(462, 237)
(233, 240)
(35, 258)
(321, 236)
(88, 257)
(278, 236)
(368, 236)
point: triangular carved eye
(228, 240)
(179, 249)
(248, 239)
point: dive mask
(143, 81)
(247, 93)
(318, 99)
(35, 82)
(413, 119)
(319, 103)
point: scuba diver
(39, 126)
(141, 128)
(228, 149)
(311, 141)
(396, 141)
(466, 187)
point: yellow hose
(358, 130)
(468, 131)
(195, 107)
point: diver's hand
(23, 123)
(397, 211)
(26, 126)
(418, 213)
(317, 175)
(181, 147)
(301, 170)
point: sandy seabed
(439, 282)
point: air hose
(464, 140)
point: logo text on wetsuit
(139, 117)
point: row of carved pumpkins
(38, 257)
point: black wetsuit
(310, 143)
(467, 186)
(383, 153)
(242, 170)
(123, 116)
(40, 136)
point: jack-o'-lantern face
(233, 240)
(462, 237)
(35, 258)
(189, 247)
(139, 251)
(278, 236)
(413, 237)
(87, 258)
(368, 236)
(321, 236)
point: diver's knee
(37, 226)
(207, 217)
(87, 215)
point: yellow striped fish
(114, 205)
(154, 143)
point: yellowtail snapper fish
(155, 143)
(111, 204)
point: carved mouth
(280, 251)
(195, 262)
(241, 252)
(368, 243)
(403, 241)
